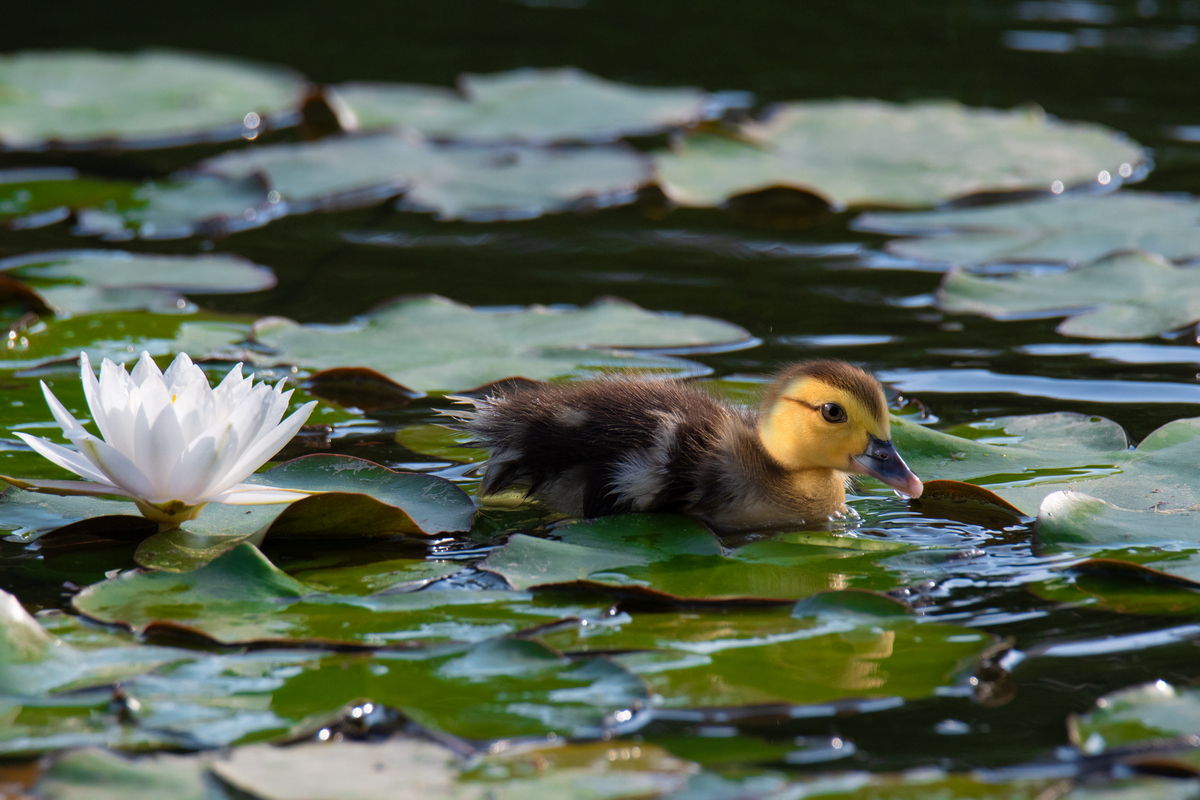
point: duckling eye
(832, 412)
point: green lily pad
(440, 442)
(412, 767)
(1074, 517)
(91, 100)
(1071, 229)
(474, 347)
(674, 559)
(470, 183)
(101, 775)
(532, 106)
(1074, 472)
(1036, 449)
(1125, 296)
(201, 205)
(870, 153)
(241, 597)
(1140, 715)
(366, 500)
(33, 197)
(833, 645)
(362, 499)
(492, 689)
(364, 579)
(76, 282)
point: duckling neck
(820, 488)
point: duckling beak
(880, 460)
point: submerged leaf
(90, 100)
(870, 153)
(473, 347)
(1125, 296)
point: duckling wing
(603, 447)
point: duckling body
(623, 444)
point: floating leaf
(86, 281)
(90, 100)
(361, 499)
(532, 106)
(1076, 470)
(33, 197)
(1071, 229)
(204, 205)
(402, 767)
(474, 347)
(241, 597)
(496, 688)
(101, 775)
(870, 153)
(1041, 448)
(1124, 296)
(471, 183)
(440, 442)
(1150, 714)
(833, 645)
(366, 500)
(669, 559)
(1068, 517)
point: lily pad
(440, 442)
(474, 347)
(833, 645)
(361, 499)
(1141, 715)
(366, 500)
(492, 689)
(33, 197)
(90, 100)
(1070, 229)
(101, 775)
(87, 281)
(668, 560)
(203, 205)
(412, 767)
(1125, 296)
(452, 182)
(870, 153)
(1036, 449)
(1075, 472)
(531, 106)
(241, 597)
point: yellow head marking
(820, 414)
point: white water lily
(171, 442)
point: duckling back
(610, 446)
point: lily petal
(261, 450)
(91, 392)
(67, 459)
(65, 419)
(118, 468)
(250, 494)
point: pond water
(1002, 646)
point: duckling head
(831, 415)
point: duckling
(625, 444)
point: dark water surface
(825, 289)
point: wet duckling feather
(626, 444)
